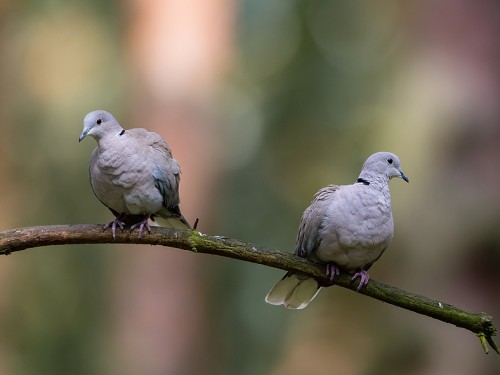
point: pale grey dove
(133, 173)
(348, 227)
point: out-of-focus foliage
(314, 87)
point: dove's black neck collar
(363, 181)
(122, 132)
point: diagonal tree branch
(25, 238)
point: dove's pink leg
(117, 222)
(364, 277)
(142, 224)
(332, 270)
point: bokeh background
(262, 103)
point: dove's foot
(364, 277)
(332, 270)
(113, 224)
(141, 225)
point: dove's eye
(99, 121)
(390, 161)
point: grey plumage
(133, 173)
(347, 227)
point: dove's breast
(357, 227)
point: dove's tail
(173, 222)
(172, 218)
(293, 291)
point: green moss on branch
(25, 238)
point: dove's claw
(113, 224)
(364, 277)
(142, 224)
(332, 270)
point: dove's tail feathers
(293, 291)
(173, 220)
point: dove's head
(99, 123)
(382, 163)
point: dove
(346, 227)
(133, 173)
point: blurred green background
(263, 103)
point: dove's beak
(83, 135)
(404, 177)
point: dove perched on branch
(133, 173)
(347, 227)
